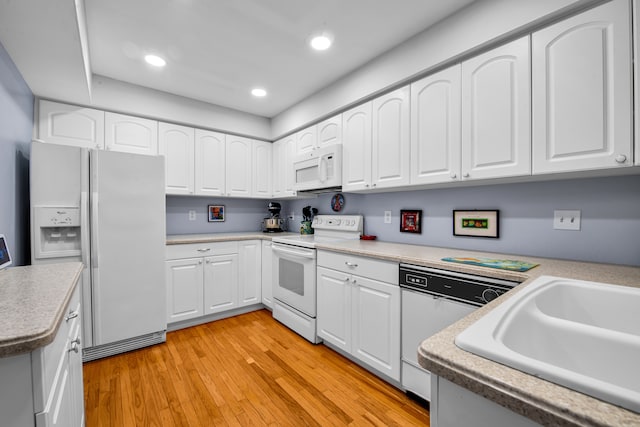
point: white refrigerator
(106, 209)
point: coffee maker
(274, 224)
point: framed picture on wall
(216, 213)
(476, 223)
(411, 221)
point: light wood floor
(247, 370)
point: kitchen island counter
(32, 304)
(537, 399)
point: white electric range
(294, 272)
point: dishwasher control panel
(467, 288)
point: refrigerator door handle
(94, 231)
(84, 229)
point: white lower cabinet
(250, 272)
(359, 309)
(220, 283)
(455, 406)
(267, 274)
(44, 388)
(211, 278)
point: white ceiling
(217, 50)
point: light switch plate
(192, 215)
(387, 217)
(566, 220)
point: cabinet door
(356, 148)
(267, 274)
(435, 128)
(334, 307)
(176, 144)
(75, 373)
(376, 325)
(220, 283)
(306, 140)
(330, 131)
(184, 289)
(289, 173)
(390, 139)
(277, 169)
(210, 163)
(250, 272)
(496, 113)
(130, 134)
(582, 116)
(70, 125)
(262, 152)
(239, 163)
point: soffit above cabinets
(216, 51)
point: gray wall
(240, 215)
(610, 217)
(16, 123)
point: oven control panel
(338, 222)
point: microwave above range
(318, 169)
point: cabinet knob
(466, 175)
(621, 158)
(75, 345)
(72, 315)
(453, 175)
(374, 185)
(366, 185)
(208, 261)
(204, 249)
(200, 262)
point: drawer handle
(75, 345)
(350, 264)
(72, 315)
(204, 250)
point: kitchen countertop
(33, 300)
(181, 239)
(540, 400)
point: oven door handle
(299, 253)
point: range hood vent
(321, 190)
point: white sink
(581, 335)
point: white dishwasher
(433, 299)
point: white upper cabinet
(283, 154)
(435, 128)
(582, 94)
(262, 153)
(176, 144)
(210, 163)
(239, 164)
(130, 134)
(356, 148)
(70, 125)
(325, 133)
(390, 139)
(330, 131)
(306, 139)
(496, 124)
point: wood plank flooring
(247, 370)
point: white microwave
(318, 169)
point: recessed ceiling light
(259, 92)
(155, 60)
(321, 42)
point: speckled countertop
(181, 239)
(542, 401)
(33, 300)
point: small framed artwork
(476, 223)
(216, 213)
(411, 221)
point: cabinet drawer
(48, 360)
(194, 250)
(385, 271)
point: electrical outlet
(566, 220)
(192, 215)
(387, 217)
